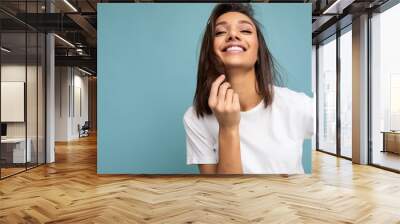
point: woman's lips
(234, 50)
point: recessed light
(70, 5)
(5, 49)
(84, 71)
(64, 40)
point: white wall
(16, 72)
(80, 104)
(33, 127)
(9, 73)
(71, 87)
(62, 81)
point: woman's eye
(219, 33)
(246, 31)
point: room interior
(48, 162)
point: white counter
(19, 149)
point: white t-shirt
(271, 138)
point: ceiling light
(84, 71)
(329, 9)
(338, 6)
(64, 40)
(70, 5)
(5, 49)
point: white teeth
(235, 49)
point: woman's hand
(224, 103)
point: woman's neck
(243, 82)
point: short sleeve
(309, 116)
(199, 145)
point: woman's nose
(233, 35)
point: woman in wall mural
(241, 121)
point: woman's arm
(229, 151)
(225, 105)
(229, 154)
(208, 168)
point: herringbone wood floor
(70, 191)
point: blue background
(147, 68)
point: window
(385, 88)
(327, 95)
(346, 92)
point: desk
(391, 141)
(17, 150)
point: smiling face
(235, 41)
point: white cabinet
(12, 101)
(18, 149)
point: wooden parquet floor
(70, 191)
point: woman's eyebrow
(221, 23)
(247, 22)
(240, 21)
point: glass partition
(327, 95)
(14, 153)
(22, 78)
(32, 95)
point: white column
(360, 90)
(50, 93)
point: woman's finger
(229, 97)
(222, 92)
(212, 99)
(235, 102)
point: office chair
(84, 130)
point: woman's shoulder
(289, 95)
(293, 100)
(190, 115)
(205, 124)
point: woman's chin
(237, 66)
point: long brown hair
(210, 66)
